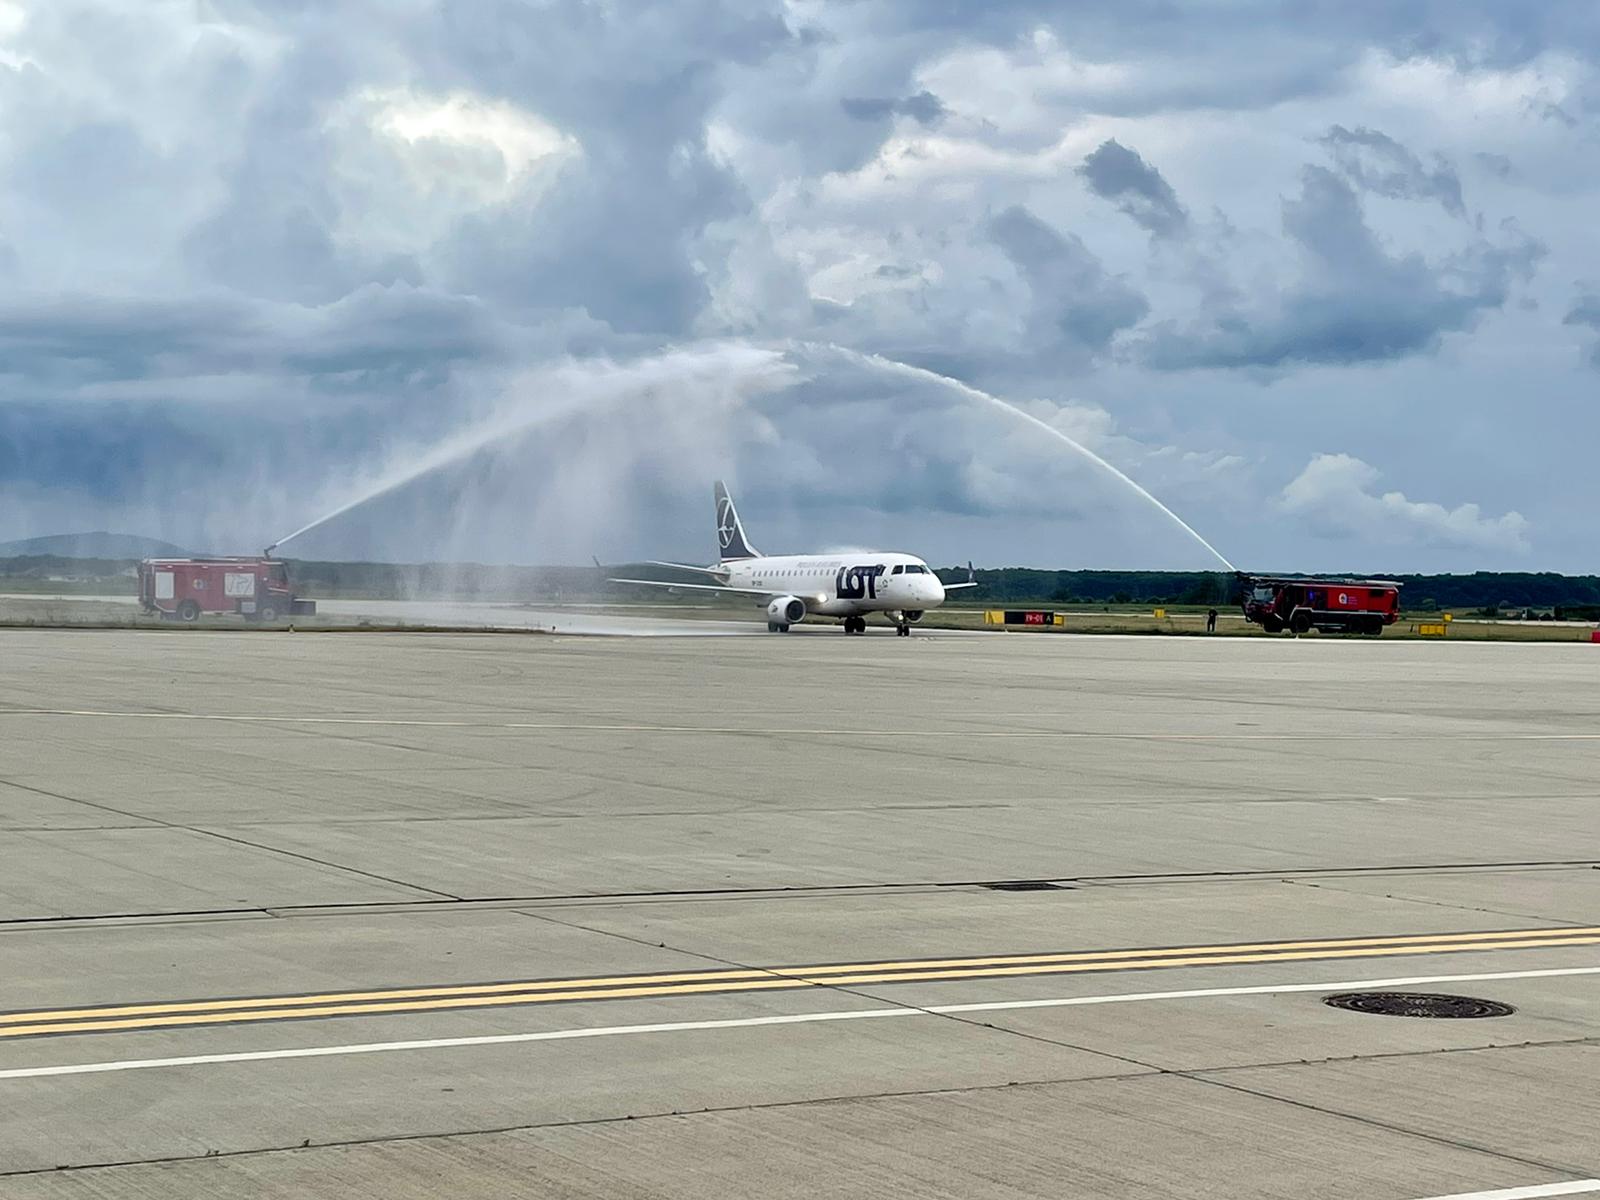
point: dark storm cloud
(1075, 302)
(372, 329)
(113, 455)
(1354, 302)
(225, 264)
(635, 87)
(616, 235)
(1586, 313)
(1554, 112)
(925, 108)
(1373, 160)
(221, 408)
(1488, 32)
(1114, 172)
(1498, 165)
(273, 233)
(100, 337)
(1247, 55)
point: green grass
(1180, 620)
(33, 586)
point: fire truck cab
(1327, 605)
(184, 588)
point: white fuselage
(843, 584)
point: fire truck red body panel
(187, 587)
(1331, 605)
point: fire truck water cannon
(258, 589)
(1299, 604)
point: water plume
(720, 375)
(894, 366)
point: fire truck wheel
(267, 613)
(188, 611)
(1272, 625)
(1300, 622)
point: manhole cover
(1027, 885)
(1418, 1004)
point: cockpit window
(916, 570)
(897, 570)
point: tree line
(1481, 590)
(1492, 591)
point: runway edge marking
(1570, 1187)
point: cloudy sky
(1323, 277)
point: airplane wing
(714, 572)
(972, 581)
(704, 587)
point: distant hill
(92, 545)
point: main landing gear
(777, 627)
(858, 625)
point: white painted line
(1570, 1188)
(861, 1014)
(1264, 989)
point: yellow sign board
(1432, 630)
(999, 616)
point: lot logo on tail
(730, 532)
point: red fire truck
(257, 588)
(1329, 605)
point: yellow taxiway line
(157, 1015)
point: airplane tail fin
(731, 542)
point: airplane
(795, 586)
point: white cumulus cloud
(1336, 496)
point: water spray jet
(881, 363)
(585, 389)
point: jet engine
(785, 611)
(912, 615)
